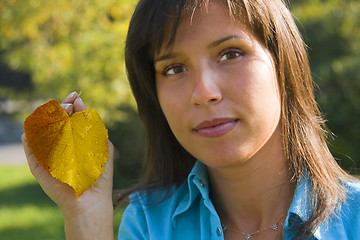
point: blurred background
(51, 48)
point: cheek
(266, 86)
(260, 93)
(172, 106)
(162, 96)
(175, 117)
(272, 90)
(270, 103)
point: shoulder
(152, 198)
(352, 187)
(352, 203)
(148, 210)
(346, 220)
(165, 213)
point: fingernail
(71, 95)
(66, 105)
(80, 100)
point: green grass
(26, 213)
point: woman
(236, 143)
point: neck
(254, 194)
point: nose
(206, 90)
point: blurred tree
(21, 81)
(129, 138)
(50, 48)
(65, 46)
(331, 31)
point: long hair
(154, 25)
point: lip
(215, 127)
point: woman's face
(218, 89)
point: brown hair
(154, 25)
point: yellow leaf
(73, 149)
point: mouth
(215, 127)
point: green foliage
(331, 31)
(26, 213)
(56, 47)
(69, 45)
(129, 138)
(50, 48)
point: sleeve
(133, 225)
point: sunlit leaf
(73, 149)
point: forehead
(208, 16)
(210, 21)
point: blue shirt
(188, 213)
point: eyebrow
(220, 41)
(165, 57)
(211, 45)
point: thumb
(78, 105)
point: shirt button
(219, 231)
(202, 183)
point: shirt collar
(299, 211)
(301, 206)
(197, 183)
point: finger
(111, 157)
(106, 179)
(33, 165)
(68, 107)
(52, 186)
(70, 98)
(78, 105)
(25, 145)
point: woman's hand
(92, 214)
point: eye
(174, 69)
(229, 54)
